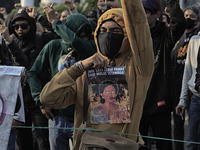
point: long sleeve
(138, 33)
(184, 97)
(86, 48)
(20, 57)
(38, 73)
(197, 80)
(188, 82)
(61, 90)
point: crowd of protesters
(47, 46)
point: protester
(27, 41)
(189, 98)
(179, 54)
(130, 46)
(158, 103)
(104, 5)
(6, 58)
(63, 15)
(71, 5)
(55, 56)
(92, 15)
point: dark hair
(194, 9)
(103, 86)
(152, 11)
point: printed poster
(109, 97)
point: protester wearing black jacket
(30, 44)
(158, 105)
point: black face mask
(110, 43)
(190, 23)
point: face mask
(190, 23)
(110, 43)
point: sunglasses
(22, 26)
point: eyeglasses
(22, 26)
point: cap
(152, 4)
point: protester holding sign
(123, 38)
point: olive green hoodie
(136, 53)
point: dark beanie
(152, 4)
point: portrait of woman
(110, 106)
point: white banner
(10, 86)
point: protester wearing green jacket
(75, 41)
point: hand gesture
(180, 110)
(96, 61)
(17, 5)
(70, 4)
(3, 10)
(5, 33)
(31, 11)
(47, 113)
(50, 13)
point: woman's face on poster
(109, 94)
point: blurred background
(83, 6)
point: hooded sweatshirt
(25, 51)
(48, 60)
(136, 54)
(31, 44)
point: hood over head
(115, 14)
(22, 15)
(78, 23)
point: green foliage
(85, 7)
(60, 8)
(40, 10)
(14, 11)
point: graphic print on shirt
(109, 97)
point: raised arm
(139, 35)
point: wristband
(80, 66)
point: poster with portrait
(109, 97)
(10, 86)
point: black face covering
(110, 43)
(190, 23)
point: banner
(10, 86)
(109, 97)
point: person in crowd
(190, 97)
(158, 104)
(104, 5)
(58, 54)
(122, 38)
(63, 15)
(179, 54)
(72, 7)
(6, 58)
(27, 41)
(92, 15)
(43, 27)
(72, 10)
